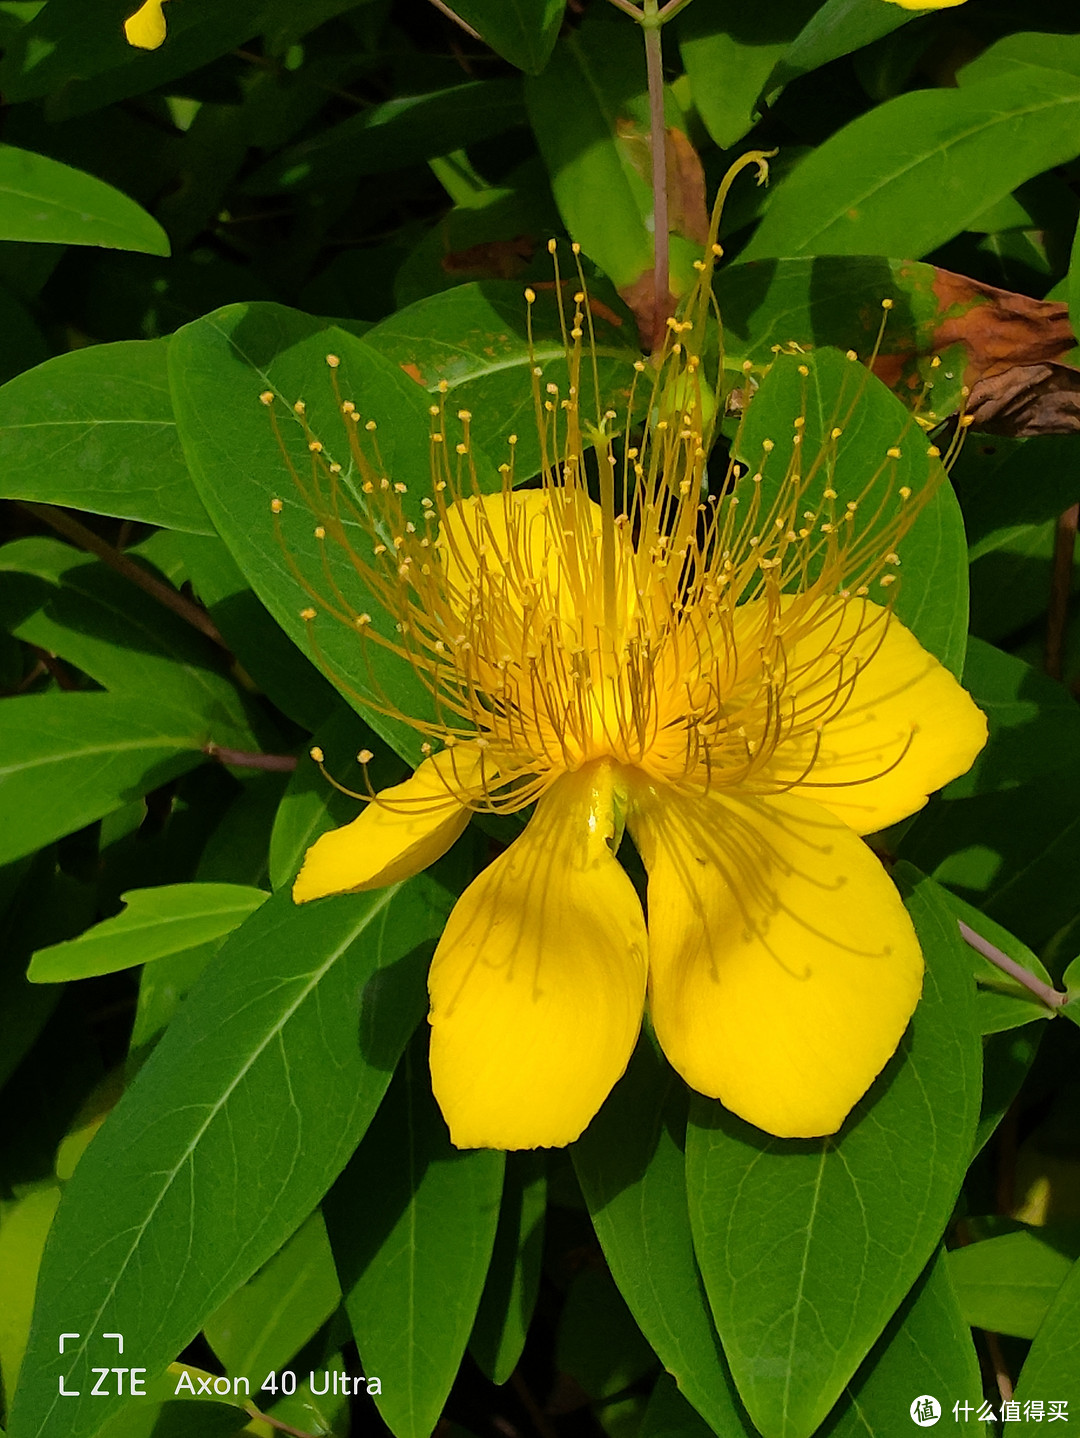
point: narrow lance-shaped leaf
(41, 199)
(219, 367)
(154, 923)
(872, 1201)
(866, 190)
(94, 428)
(632, 1172)
(412, 1221)
(231, 1133)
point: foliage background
(265, 1199)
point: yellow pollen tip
(362, 621)
(267, 397)
(332, 361)
(886, 304)
(934, 452)
(365, 756)
(852, 355)
(530, 297)
(552, 246)
(315, 446)
(893, 453)
(307, 614)
(317, 754)
(276, 506)
(320, 532)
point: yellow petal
(926, 4)
(146, 28)
(538, 983)
(906, 728)
(400, 832)
(783, 967)
(514, 540)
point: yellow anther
(332, 361)
(276, 506)
(307, 614)
(317, 754)
(267, 397)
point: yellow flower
(146, 28)
(714, 676)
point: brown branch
(67, 525)
(242, 759)
(450, 15)
(654, 66)
(276, 1422)
(1060, 586)
(55, 668)
(1052, 998)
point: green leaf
(76, 55)
(229, 1136)
(22, 1238)
(1001, 1003)
(598, 1343)
(1052, 1368)
(219, 366)
(837, 28)
(596, 170)
(269, 658)
(403, 131)
(269, 1319)
(94, 428)
(630, 1165)
(828, 300)
(310, 805)
(521, 31)
(1006, 835)
(24, 344)
(71, 758)
(1025, 51)
(119, 635)
(926, 1349)
(513, 1280)
(729, 50)
(870, 1202)
(412, 1221)
(1007, 1284)
(474, 339)
(44, 201)
(669, 1415)
(914, 171)
(154, 923)
(830, 391)
(162, 986)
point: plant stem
(70, 528)
(651, 23)
(1052, 998)
(242, 759)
